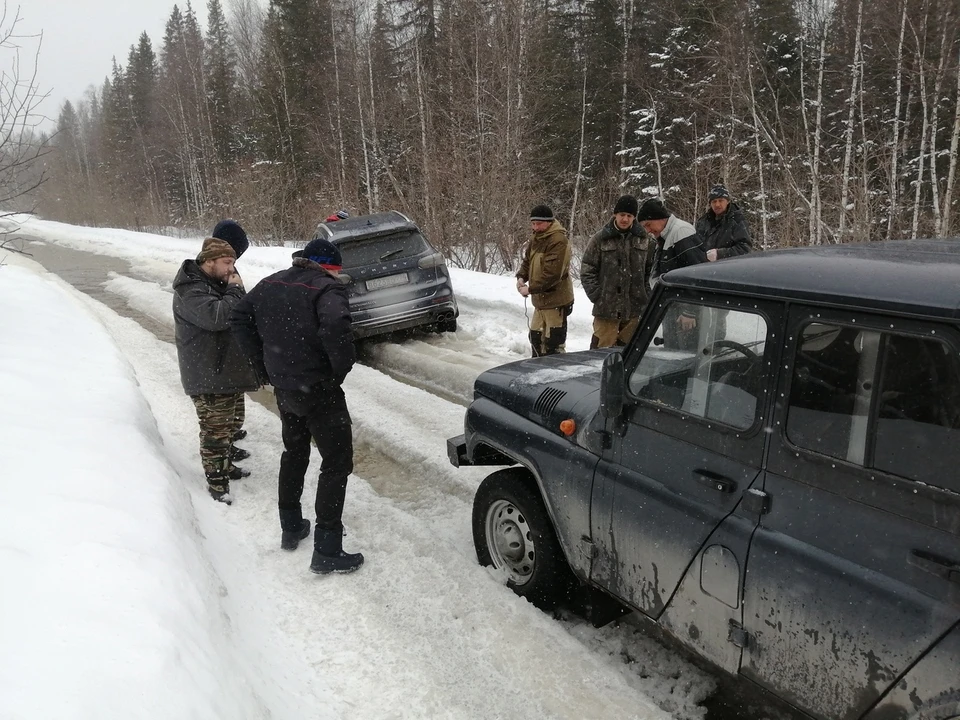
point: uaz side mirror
(612, 386)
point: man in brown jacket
(544, 277)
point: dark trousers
(320, 414)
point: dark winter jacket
(728, 234)
(295, 327)
(210, 360)
(546, 268)
(615, 270)
(678, 246)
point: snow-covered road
(422, 631)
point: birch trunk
(756, 137)
(895, 144)
(377, 154)
(424, 149)
(851, 117)
(816, 199)
(583, 129)
(946, 225)
(626, 18)
(923, 134)
(935, 129)
(336, 74)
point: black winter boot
(328, 554)
(291, 540)
(238, 473)
(239, 434)
(219, 489)
(238, 453)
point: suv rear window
(371, 251)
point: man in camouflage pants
(213, 371)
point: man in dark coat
(614, 273)
(231, 233)
(295, 328)
(544, 277)
(213, 371)
(723, 228)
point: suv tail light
(430, 261)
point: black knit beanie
(652, 209)
(718, 191)
(626, 204)
(542, 212)
(230, 232)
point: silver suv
(396, 279)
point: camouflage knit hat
(214, 249)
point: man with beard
(614, 272)
(213, 371)
(544, 277)
(723, 228)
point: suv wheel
(512, 532)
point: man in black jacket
(614, 272)
(236, 237)
(723, 228)
(213, 371)
(295, 328)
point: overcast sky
(80, 37)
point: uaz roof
(906, 276)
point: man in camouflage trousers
(213, 371)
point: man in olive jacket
(723, 228)
(614, 272)
(544, 277)
(213, 371)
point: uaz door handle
(936, 565)
(715, 481)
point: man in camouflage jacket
(614, 272)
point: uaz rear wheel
(512, 532)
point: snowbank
(108, 608)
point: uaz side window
(705, 362)
(879, 400)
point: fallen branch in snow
(5, 245)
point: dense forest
(829, 120)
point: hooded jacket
(210, 360)
(728, 234)
(615, 269)
(295, 327)
(678, 246)
(546, 268)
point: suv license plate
(388, 281)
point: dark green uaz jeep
(770, 471)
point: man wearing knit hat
(295, 328)
(213, 371)
(614, 273)
(230, 232)
(723, 227)
(544, 277)
(678, 245)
